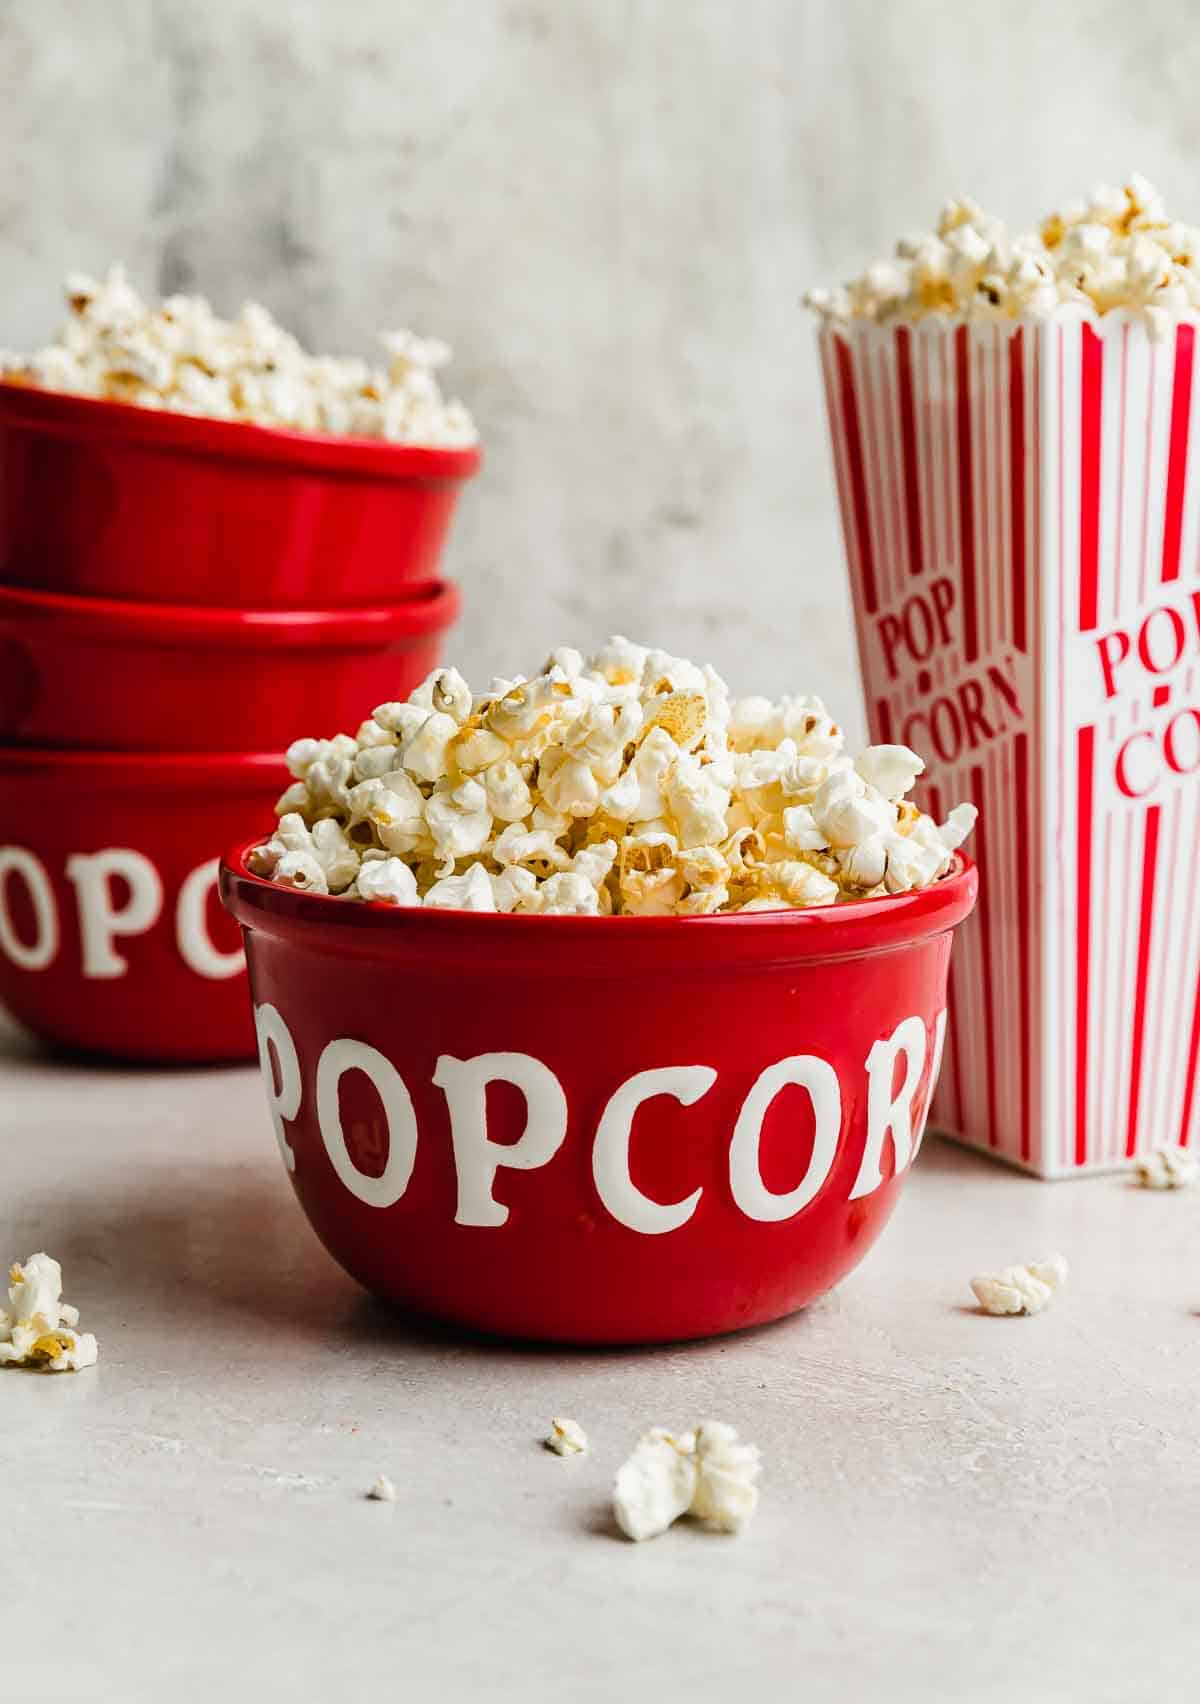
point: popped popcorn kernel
(1021, 1289)
(180, 356)
(1115, 248)
(37, 1328)
(625, 783)
(1168, 1168)
(383, 1491)
(566, 1437)
(704, 1473)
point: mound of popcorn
(627, 783)
(1114, 248)
(37, 1328)
(180, 356)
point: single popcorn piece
(179, 356)
(726, 1492)
(705, 1473)
(1168, 1168)
(626, 783)
(388, 880)
(566, 1438)
(37, 1328)
(1022, 1289)
(1115, 248)
(383, 1491)
(656, 1485)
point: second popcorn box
(1021, 508)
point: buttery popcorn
(705, 1473)
(627, 783)
(37, 1328)
(1114, 248)
(1022, 1289)
(179, 356)
(1168, 1168)
(566, 1437)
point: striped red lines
(1145, 935)
(857, 472)
(1181, 414)
(908, 445)
(984, 909)
(1085, 755)
(955, 1003)
(1016, 462)
(1026, 941)
(966, 494)
(1090, 415)
(1193, 1060)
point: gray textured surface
(954, 1507)
(609, 208)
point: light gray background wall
(609, 208)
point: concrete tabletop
(954, 1507)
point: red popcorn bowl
(112, 500)
(598, 1130)
(112, 938)
(126, 677)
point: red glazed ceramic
(112, 938)
(125, 677)
(598, 1130)
(114, 501)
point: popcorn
(890, 769)
(37, 1328)
(1114, 249)
(388, 880)
(383, 1491)
(726, 1494)
(566, 1437)
(565, 895)
(459, 819)
(705, 1473)
(469, 892)
(426, 752)
(181, 357)
(1168, 1168)
(846, 810)
(624, 783)
(300, 870)
(1022, 1289)
(656, 1485)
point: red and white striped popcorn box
(1021, 509)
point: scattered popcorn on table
(37, 1328)
(566, 1437)
(1116, 248)
(627, 784)
(383, 1491)
(180, 356)
(1021, 1289)
(1168, 1168)
(705, 1473)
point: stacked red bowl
(179, 598)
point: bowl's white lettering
(17, 863)
(464, 1083)
(477, 1158)
(610, 1151)
(35, 944)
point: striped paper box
(1021, 509)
